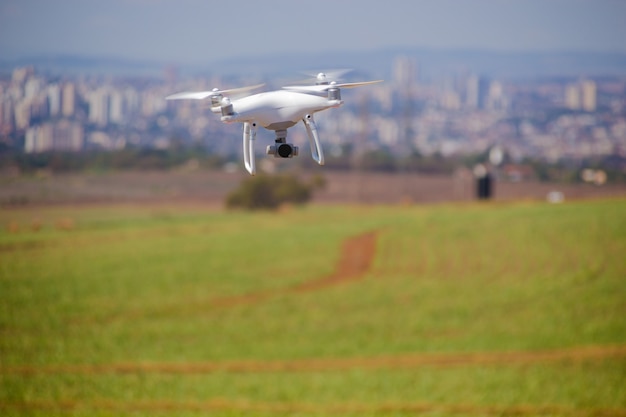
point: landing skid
(281, 149)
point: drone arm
(314, 140)
(249, 135)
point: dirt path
(357, 255)
(405, 361)
(576, 354)
(291, 408)
(355, 260)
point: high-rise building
(68, 97)
(6, 116)
(21, 74)
(581, 96)
(404, 73)
(30, 140)
(572, 97)
(495, 98)
(589, 95)
(117, 108)
(99, 107)
(54, 100)
(477, 91)
(22, 114)
(33, 87)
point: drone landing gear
(249, 136)
(281, 149)
(316, 147)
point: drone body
(275, 110)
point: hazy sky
(200, 31)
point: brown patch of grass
(65, 223)
(13, 227)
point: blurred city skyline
(200, 32)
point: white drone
(276, 110)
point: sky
(201, 31)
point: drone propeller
(320, 88)
(322, 77)
(201, 95)
(326, 77)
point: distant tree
(269, 192)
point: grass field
(464, 310)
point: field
(465, 309)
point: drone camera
(282, 150)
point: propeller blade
(328, 76)
(325, 87)
(242, 89)
(308, 88)
(201, 95)
(196, 95)
(322, 77)
(352, 85)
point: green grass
(141, 287)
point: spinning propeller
(326, 82)
(321, 88)
(201, 95)
(219, 103)
(326, 77)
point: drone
(276, 110)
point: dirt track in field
(413, 361)
(355, 260)
(291, 408)
(571, 355)
(357, 255)
(403, 361)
